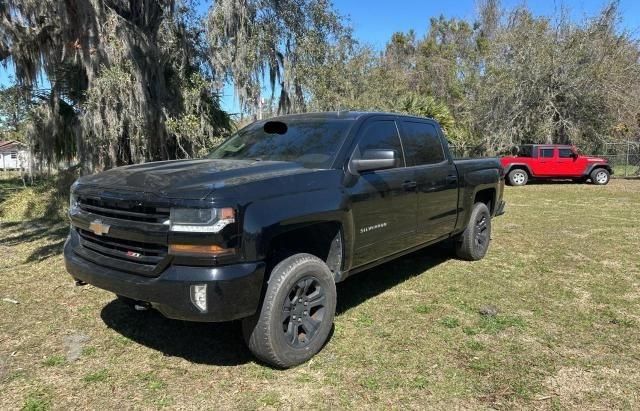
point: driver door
(384, 202)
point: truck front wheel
(473, 243)
(296, 316)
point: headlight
(73, 202)
(201, 220)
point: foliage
(505, 77)
(283, 41)
(427, 106)
(137, 81)
(14, 109)
(555, 81)
(119, 71)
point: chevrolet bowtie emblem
(99, 228)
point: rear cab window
(422, 144)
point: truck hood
(189, 179)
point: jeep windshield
(313, 143)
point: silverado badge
(99, 228)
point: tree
(120, 72)
(555, 81)
(277, 42)
(14, 110)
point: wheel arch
(323, 239)
(516, 166)
(595, 166)
(488, 197)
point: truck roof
(346, 115)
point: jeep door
(545, 164)
(383, 202)
(568, 163)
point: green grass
(36, 401)
(563, 274)
(97, 376)
(623, 170)
(54, 360)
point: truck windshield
(311, 142)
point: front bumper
(233, 291)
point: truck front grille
(138, 257)
(124, 210)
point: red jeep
(554, 161)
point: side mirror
(374, 160)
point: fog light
(199, 296)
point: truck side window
(565, 153)
(421, 143)
(381, 135)
(546, 153)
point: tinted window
(546, 152)
(565, 153)
(311, 142)
(525, 151)
(421, 143)
(380, 135)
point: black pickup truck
(265, 226)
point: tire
(300, 299)
(473, 243)
(518, 177)
(600, 176)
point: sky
(374, 21)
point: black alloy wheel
(303, 312)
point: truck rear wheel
(473, 243)
(600, 176)
(296, 316)
(518, 177)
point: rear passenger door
(436, 178)
(383, 202)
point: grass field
(563, 274)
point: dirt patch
(74, 344)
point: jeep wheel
(297, 313)
(518, 177)
(600, 176)
(473, 243)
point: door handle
(452, 179)
(409, 185)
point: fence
(624, 158)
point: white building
(13, 155)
